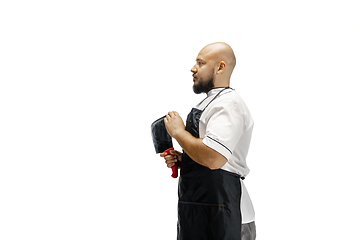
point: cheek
(207, 73)
(202, 72)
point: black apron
(209, 200)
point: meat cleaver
(163, 141)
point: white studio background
(81, 82)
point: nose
(193, 69)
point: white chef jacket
(226, 126)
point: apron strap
(216, 97)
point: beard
(204, 86)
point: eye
(200, 63)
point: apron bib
(209, 200)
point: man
(213, 201)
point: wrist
(177, 135)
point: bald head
(214, 66)
(220, 51)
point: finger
(178, 153)
(171, 161)
(171, 114)
(175, 153)
(163, 154)
(169, 157)
(170, 165)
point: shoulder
(230, 100)
(228, 104)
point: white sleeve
(225, 125)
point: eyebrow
(198, 59)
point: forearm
(199, 152)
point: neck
(221, 82)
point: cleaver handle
(174, 168)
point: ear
(221, 67)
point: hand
(174, 124)
(171, 160)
